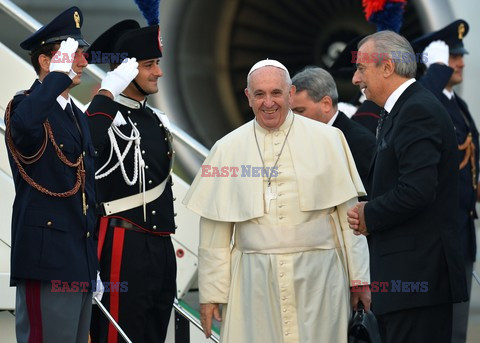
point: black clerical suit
(136, 253)
(411, 217)
(360, 141)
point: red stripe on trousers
(32, 297)
(117, 250)
(102, 232)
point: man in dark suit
(53, 256)
(317, 99)
(411, 216)
(443, 52)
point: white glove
(98, 290)
(436, 52)
(119, 78)
(64, 57)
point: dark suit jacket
(435, 81)
(51, 237)
(360, 141)
(411, 216)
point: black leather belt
(117, 222)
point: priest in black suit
(317, 99)
(411, 217)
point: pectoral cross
(269, 195)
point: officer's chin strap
(140, 89)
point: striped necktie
(383, 116)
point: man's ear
(291, 93)
(327, 103)
(246, 93)
(44, 63)
(388, 67)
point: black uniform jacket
(435, 80)
(412, 213)
(51, 237)
(155, 152)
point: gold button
(154, 227)
(471, 213)
(88, 234)
(154, 212)
(61, 145)
(83, 153)
(49, 223)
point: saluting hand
(63, 59)
(119, 78)
(436, 52)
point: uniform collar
(448, 94)
(129, 102)
(284, 127)
(63, 102)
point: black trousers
(141, 270)
(417, 325)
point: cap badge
(461, 31)
(160, 41)
(76, 17)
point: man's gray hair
(398, 50)
(317, 82)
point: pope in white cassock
(275, 246)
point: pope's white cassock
(283, 275)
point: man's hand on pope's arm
(356, 219)
(207, 311)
